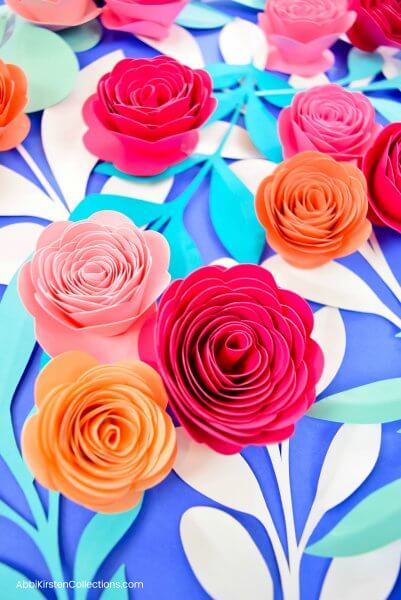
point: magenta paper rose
(151, 18)
(91, 285)
(300, 32)
(236, 356)
(378, 23)
(59, 13)
(146, 114)
(329, 119)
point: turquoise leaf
(256, 4)
(225, 76)
(262, 128)
(389, 109)
(16, 586)
(267, 81)
(140, 212)
(117, 591)
(107, 168)
(185, 256)
(197, 15)
(227, 103)
(363, 64)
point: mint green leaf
(197, 15)
(389, 109)
(363, 64)
(82, 37)
(262, 128)
(117, 592)
(16, 586)
(256, 4)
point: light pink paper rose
(92, 285)
(151, 18)
(56, 13)
(300, 32)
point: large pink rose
(300, 32)
(151, 18)
(329, 119)
(236, 356)
(59, 13)
(378, 23)
(91, 285)
(146, 113)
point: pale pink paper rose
(93, 284)
(56, 13)
(300, 33)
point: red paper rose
(236, 356)
(378, 23)
(146, 113)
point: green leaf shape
(98, 539)
(107, 168)
(256, 4)
(390, 109)
(10, 579)
(83, 37)
(363, 64)
(225, 76)
(47, 60)
(140, 211)
(378, 402)
(197, 15)
(185, 256)
(118, 592)
(233, 215)
(227, 103)
(262, 128)
(268, 81)
(374, 522)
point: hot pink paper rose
(151, 18)
(146, 113)
(378, 23)
(329, 119)
(300, 32)
(236, 356)
(58, 13)
(91, 285)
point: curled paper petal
(14, 124)
(377, 24)
(63, 13)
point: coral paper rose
(58, 13)
(382, 168)
(92, 285)
(300, 32)
(378, 23)
(151, 18)
(101, 434)
(236, 356)
(314, 209)
(329, 119)
(14, 124)
(146, 114)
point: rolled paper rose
(382, 168)
(151, 18)
(378, 23)
(236, 356)
(329, 119)
(314, 209)
(92, 285)
(146, 114)
(300, 32)
(14, 123)
(101, 434)
(58, 13)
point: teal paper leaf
(116, 593)
(378, 402)
(390, 109)
(374, 522)
(227, 103)
(233, 215)
(185, 256)
(140, 212)
(107, 168)
(268, 81)
(225, 76)
(12, 585)
(256, 4)
(262, 128)
(197, 15)
(83, 37)
(363, 64)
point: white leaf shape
(17, 241)
(252, 171)
(298, 82)
(387, 51)
(63, 128)
(179, 44)
(242, 42)
(370, 576)
(153, 191)
(333, 285)
(392, 67)
(223, 556)
(238, 145)
(20, 197)
(224, 261)
(329, 333)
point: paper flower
(300, 32)
(151, 18)
(378, 23)
(146, 114)
(314, 209)
(330, 119)
(92, 285)
(382, 168)
(14, 124)
(236, 356)
(101, 435)
(59, 13)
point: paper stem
(50, 191)
(373, 254)
(281, 559)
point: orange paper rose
(314, 209)
(101, 434)
(14, 124)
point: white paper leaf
(238, 145)
(242, 42)
(20, 197)
(153, 191)
(63, 128)
(369, 576)
(392, 67)
(179, 44)
(252, 171)
(333, 285)
(387, 51)
(17, 241)
(224, 261)
(298, 82)
(223, 556)
(329, 333)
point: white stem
(50, 191)
(373, 254)
(282, 563)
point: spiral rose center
(316, 10)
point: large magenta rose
(236, 356)
(146, 113)
(378, 23)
